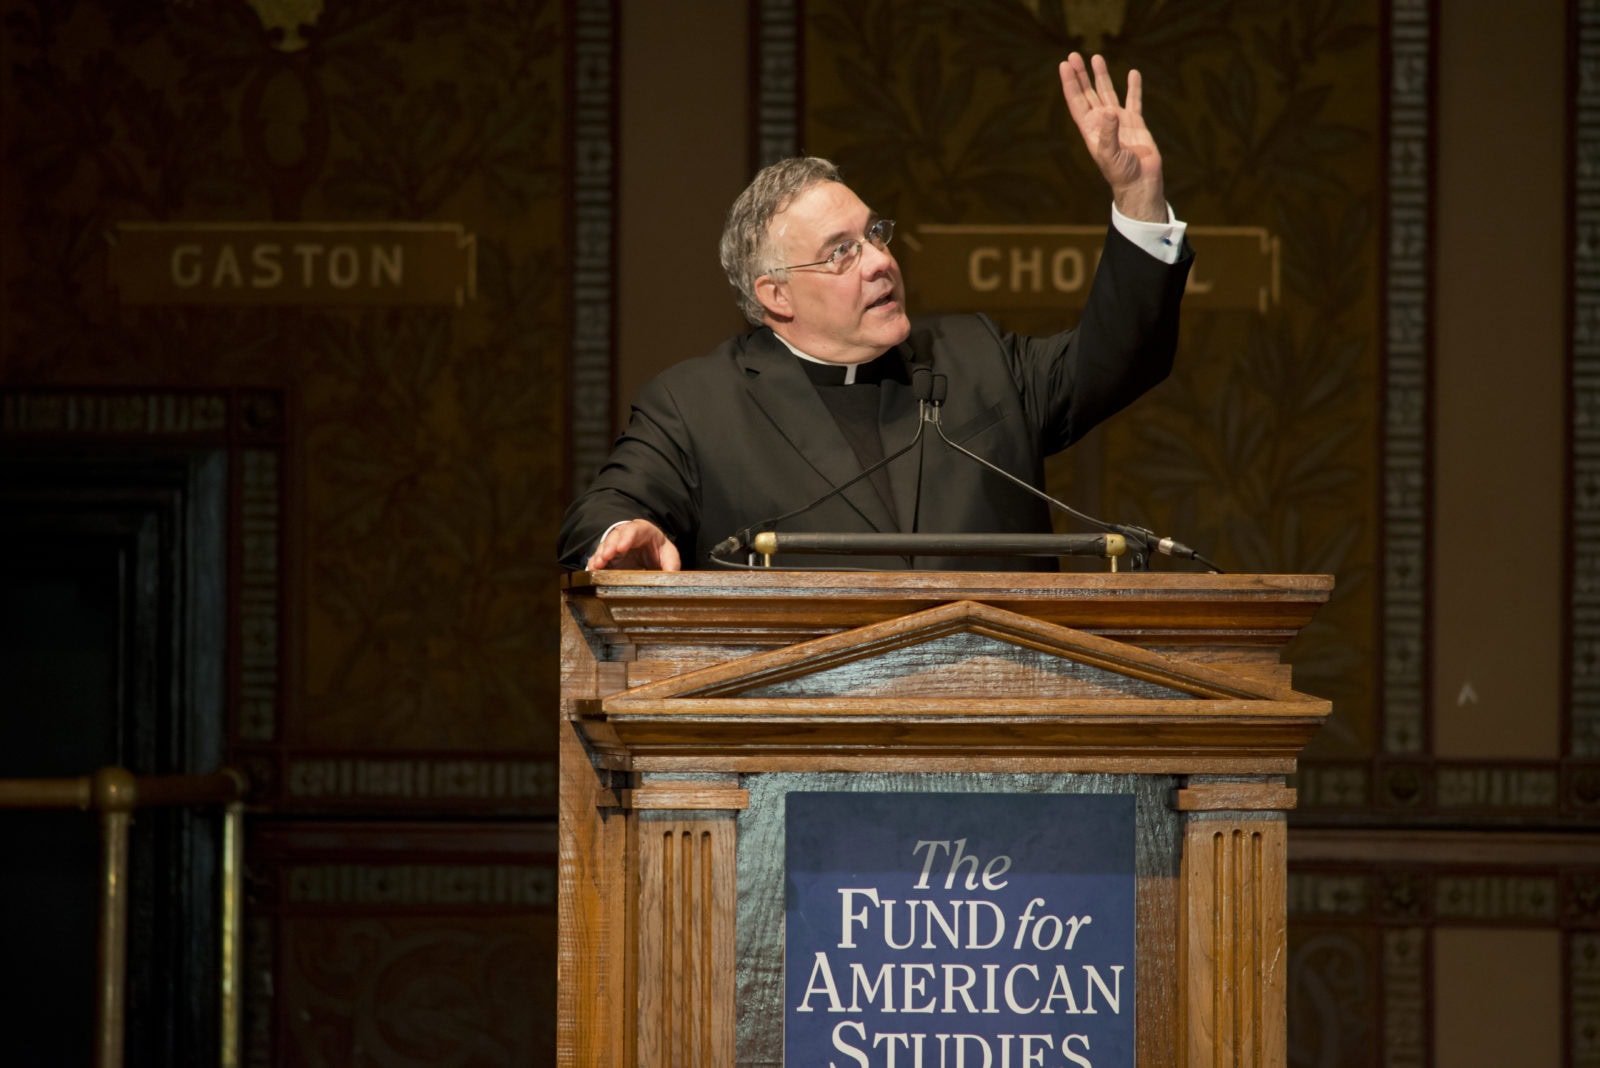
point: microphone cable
(930, 389)
(922, 386)
(1152, 541)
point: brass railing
(115, 793)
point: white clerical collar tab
(849, 368)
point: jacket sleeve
(1122, 346)
(650, 474)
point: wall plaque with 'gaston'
(316, 264)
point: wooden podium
(691, 702)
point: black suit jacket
(740, 435)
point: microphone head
(729, 546)
(922, 382)
(941, 387)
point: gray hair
(744, 236)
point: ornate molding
(351, 779)
(1552, 898)
(1405, 997)
(260, 987)
(1405, 431)
(776, 62)
(1545, 793)
(589, 390)
(1584, 991)
(144, 413)
(1583, 729)
(1496, 898)
(461, 887)
(261, 639)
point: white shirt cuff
(596, 547)
(1162, 240)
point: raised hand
(1116, 136)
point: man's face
(849, 317)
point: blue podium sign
(959, 930)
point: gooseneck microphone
(741, 541)
(930, 390)
(1139, 538)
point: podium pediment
(961, 682)
(956, 651)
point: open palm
(1116, 137)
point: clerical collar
(825, 373)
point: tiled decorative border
(1405, 430)
(1405, 999)
(1583, 986)
(591, 382)
(1538, 897)
(776, 60)
(1424, 791)
(1584, 493)
(260, 990)
(340, 780)
(260, 581)
(461, 887)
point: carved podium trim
(685, 924)
(908, 692)
(1233, 929)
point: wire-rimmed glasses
(845, 255)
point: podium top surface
(758, 606)
(1044, 582)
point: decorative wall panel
(428, 944)
(424, 468)
(334, 241)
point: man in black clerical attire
(777, 417)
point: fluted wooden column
(684, 851)
(1233, 934)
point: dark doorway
(113, 597)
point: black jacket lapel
(780, 388)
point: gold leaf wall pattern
(1262, 449)
(424, 470)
